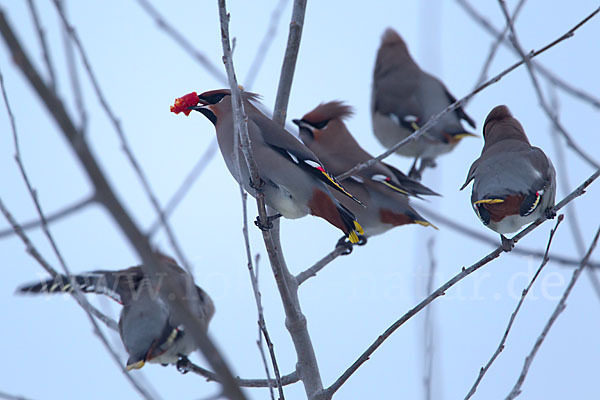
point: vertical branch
(106, 196)
(429, 327)
(43, 43)
(560, 307)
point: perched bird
(382, 188)
(513, 182)
(404, 97)
(294, 181)
(148, 329)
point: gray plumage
(404, 97)
(148, 329)
(513, 182)
(382, 188)
(295, 182)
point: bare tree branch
(307, 367)
(107, 197)
(43, 44)
(256, 383)
(265, 44)
(124, 142)
(319, 265)
(541, 99)
(442, 289)
(182, 41)
(186, 185)
(560, 307)
(53, 217)
(500, 348)
(495, 46)
(428, 326)
(565, 86)
(434, 120)
(476, 234)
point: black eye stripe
(317, 125)
(214, 98)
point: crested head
(215, 96)
(392, 39)
(325, 112)
(500, 125)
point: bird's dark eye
(317, 125)
(214, 98)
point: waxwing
(295, 183)
(382, 188)
(513, 182)
(149, 331)
(404, 97)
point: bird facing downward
(383, 188)
(513, 182)
(148, 328)
(404, 97)
(294, 181)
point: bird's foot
(362, 240)
(269, 224)
(345, 244)
(507, 244)
(550, 213)
(258, 186)
(415, 173)
(183, 365)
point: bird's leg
(343, 242)
(414, 173)
(183, 364)
(269, 224)
(258, 186)
(425, 163)
(507, 244)
(550, 213)
(362, 240)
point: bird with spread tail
(513, 181)
(404, 97)
(294, 181)
(383, 188)
(149, 330)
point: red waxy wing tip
(182, 103)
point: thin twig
(53, 217)
(319, 265)
(116, 123)
(538, 90)
(106, 196)
(428, 326)
(186, 185)
(43, 44)
(74, 75)
(442, 289)
(477, 234)
(500, 348)
(77, 293)
(561, 165)
(459, 103)
(255, 383)
(495, 46)
(548, 74)
(265, 44)
(560, 307)
(181, 40)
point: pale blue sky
(48, 347)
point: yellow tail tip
(425, 223)
(464, 135)
(136, 365)
(489, 201)
(353, 237)
(358, 228)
